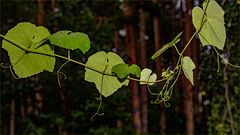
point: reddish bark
(41, 12)
(116, 40)
(157, 46)
(132, 58)
(186, 85)
(143, 64)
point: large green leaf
(71, 40)
(166, 46)
(123, 70)
(104, 62)
(147, 76)
(29, 36)
(213, 30)
(188, 67)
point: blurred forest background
(134, 30)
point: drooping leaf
(166, 46)
(147, 76)
(135, 70)
(188, 67)
(71, 40)
(213, 30)
(29, 36)
(104, 62)
(123, 70)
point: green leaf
(188, 67)
(71, 40)
(213, 30)
(104, 62)
(135, 70)
(123, 70)
(166, 46)
(146, 76)
(29, 36)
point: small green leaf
(146, 76)
(166, 46)
(104, 62)
(29, 36)
(213, 30)
(135, 70)
(188, 67)
(123, 70)
(71, 40)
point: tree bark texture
(186, 85)
(143, 64)
(41, 12)
(157, 46)
(132, 58)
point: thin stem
(188, 43)
(58, 73)
(176, 49)
(18, 45)
(230, 64)
(70, 60)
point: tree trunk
(132, 58)
(53, 8)
(157, 46)
(186, 85)
(116, 41)
(41, 12)
(143, 64)
(12, 118)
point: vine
(30, 54)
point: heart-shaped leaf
(188, 67)
(213, 30)
(146, 76)
(71, 40)
(26, 64)
(103, 62)
(123, 70)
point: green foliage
(71, 40)
(146, 77)
(166, 46)
(30, 37)
(123, 70)
(103, 62)
(209, 21)
(188, 66)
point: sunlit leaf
(26, 64)
(71, 40)
(188, 67)
(166, 46)
(213, 30)
(147, 76)
(104, 62)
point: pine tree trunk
(143, 63)
(157, 46)
(116, 41)
(186, 85)
(12, 118)
(41, 12)
(132, 58)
